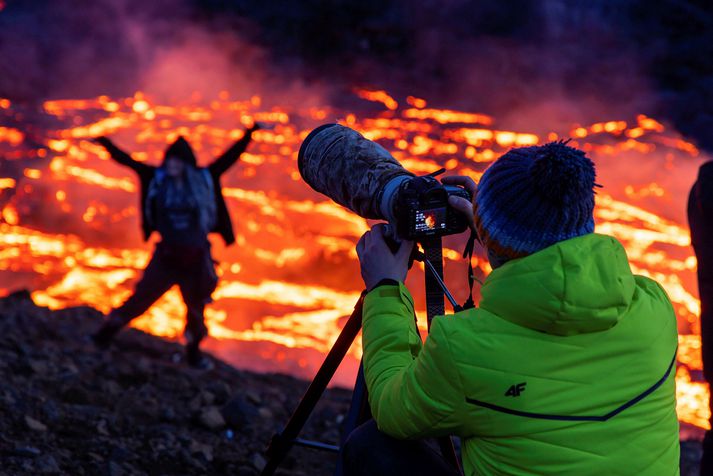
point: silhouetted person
(183, 203)
(700, 218)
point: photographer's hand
(377, 260)
(459, 203)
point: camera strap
(468, 254)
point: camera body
(421, 210)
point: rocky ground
(68, 408)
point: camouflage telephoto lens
(351, 170)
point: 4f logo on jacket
(516, 390)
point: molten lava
(69, 229)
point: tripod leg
(359, 412)
(434, 294)
(448, 450)
(282, 442)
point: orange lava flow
(69, 221)
(11, 135)
(378, 96)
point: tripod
(359, 410)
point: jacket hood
(182, 150)
(576, 286)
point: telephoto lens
(351, 170)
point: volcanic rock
(238, 413)
(35, 425)
(206, 451)
(258, 461)
(253, 396)
(130, 410)
(102, 429)
(207, 397)
(39, 367)
(47, 464)
(75, 394)
(25, 451)
(220, 390)
(114, 469)
(111, 388)
(212, 419)
(50, 411)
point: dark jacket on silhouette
(700, 219)
(182, 150)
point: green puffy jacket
(567, 367)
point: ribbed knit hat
(181, 150)
(533, 197)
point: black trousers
(170, 266)
(370, 452)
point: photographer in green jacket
(566, 366)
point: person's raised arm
(119, 156)
(230, 156)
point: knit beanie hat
(533, 197)
(181, 150)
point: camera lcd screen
(430, 220)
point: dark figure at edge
(700, 219)
(183, 203)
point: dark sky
(502, 57)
